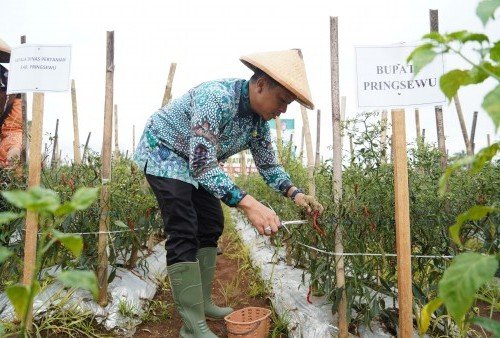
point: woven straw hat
(4, 52)
(287, 68)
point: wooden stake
(468, 148)
(402, 216)
(423, 136)
(301, 144)
(383, 136)
(279, 138)
(337, 172)
(133, 139)
(24, 110)
(440, 136)
(117, 148)
(102, 268)
(34, 170)
(76, 134)
(167, 95)
(55, 147)
(434, 23)
(318, 133)
(488, 141)
(351, 148)
(417, 124)
(473, 132)
(85, 148)
(309, 149)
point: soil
(226, 274)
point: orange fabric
(11, 136)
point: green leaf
(463, 278)
(8, 216)
(65, 209)
(491, 104)
(458, 35)
(73, 243)
(426, 314)
(4, 254)
(479, 37)
(2, 331)
(495, 52)
(451, 81)
(477, 74)
(36, 199)
(121, 224)
(488, 324)
(486, 10)
(484, 156)
(421, 56)
(84, 197)
(435, 36)
(474, 213)
(19, 296)
(86, 280)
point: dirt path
(235, 285)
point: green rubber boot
(207, 257)
(185, 282)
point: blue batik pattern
(186, 139)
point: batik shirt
(186, 139)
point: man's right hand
(262, 218)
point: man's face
(270, 101)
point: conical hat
(4, 52)
(287, 68)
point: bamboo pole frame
(402, 217)
(86, 147)
(337, 173)
(473, 132)
(24, 112)
(318, 138)
(463, 127)
(76, 133)
(34, 170)
(102, 267)
(309, 150)
(279, 138)
(55, 147)
(383, 136)
(167, 95)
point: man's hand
(262, 218)
(309, 203)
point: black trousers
(192, 217)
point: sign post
(384, 79)
(38, 69)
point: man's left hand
(309, 203)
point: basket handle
(255, 326)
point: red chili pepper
(308, 298)
(315, 224)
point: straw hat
(4, 52)
(287, 68)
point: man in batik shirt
(179, 152)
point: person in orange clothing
(11, 125)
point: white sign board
(39, 68)
(385, 79)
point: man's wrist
(295, 192)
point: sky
(206, 38)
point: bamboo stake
(85, 148)
(473, 132)
(301, 144)
(465, 135)
(117, 148)
(24, 110)
(76, 141)
(383, 136)
(423, 136)
(417, 124)
(318, 133)
(309, 150)
(102, 268)
(279, 138)
(133, 139)
(351, 148)
(402, 217)
(434, 23)
(488, 141)
(167, 95)
(337, 172)
(55, 147)
(34, 170)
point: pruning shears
(285, 223)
